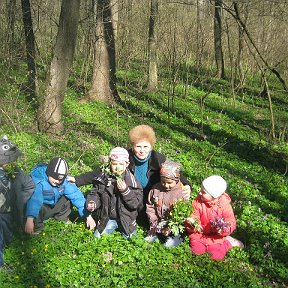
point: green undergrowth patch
(67, 255)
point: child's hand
(166, 231)
(90, 222)
(91, 206)
(29, 226)
(219, 231)
(152, 231)
(194, 224)
(199, 228)
(186, 192)
(121, 185)
(71, 179)
(191, 221)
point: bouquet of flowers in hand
(180, 211)
(105, 167)
(104, 160)
(193, 223)
(11, 169)
(220, 225)
(162, 228)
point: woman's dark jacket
(87, 178)
(127, 202)
(153, 173)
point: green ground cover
(204, 129)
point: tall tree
(115, 16)
(238, 64)
(11, 7)
(104, 70)
(200, 33)
(30, 49)
(50, 108)
(218, 39)
(152, 49)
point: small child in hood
(115, 196)
(53, 196)
(212, 220)
(16, 188)
(161, 199)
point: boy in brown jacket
(161, 198)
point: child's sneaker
(151, 238)
(173, 241)
(234, 242)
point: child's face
(205, 197)
(118, 167)
(55, 182)
(167, 183)
(142, 149)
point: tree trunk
(200, 33)
(218, 39)
(152, 75)
(11, 27)
(266, 89)
(50, 110)
(115, 16)
(30, 49)
(231, 63)
(238, 64)
(104, 71)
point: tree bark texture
(30, 49)
(115, 16)
(50, 109)
(11, 6)
(152, 48)
(218, 39)
(200, 33)
(104, 71)
(238, 64)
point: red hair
(142, 133)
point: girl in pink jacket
(212, 220)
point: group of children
(113, 202)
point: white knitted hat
(214, 185)
(119, 154)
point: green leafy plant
(105, 167)
(11, 169)
(181, 210)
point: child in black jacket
(16, 187)
(115, 196)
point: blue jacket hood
(38, 173)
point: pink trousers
(216, 251)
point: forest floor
(200, 125)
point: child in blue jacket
(53, 196)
